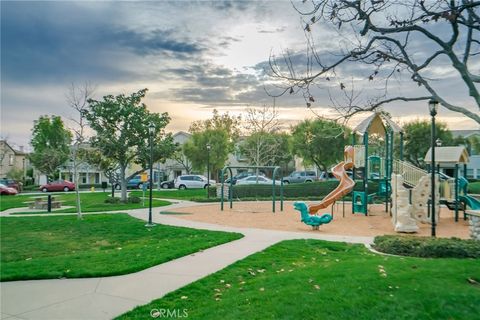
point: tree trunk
(123, 183)
(77, 191)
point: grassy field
(91, 202)
(309, 279)
(98, 245)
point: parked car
(167, 184)
(5, 190)
(257, 180)
(242, 175)
(59, 185)
(134, 183)
(11, 184)
(192, 181)
(324, 176)
(300, 177)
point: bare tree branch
(385, 33)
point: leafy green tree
(220, 146)
(15, 174)
(417, 139)
(230, 124)
(121, 126)
(51, 144)
(320, 142)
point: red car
(7, 190)
(61, 185)
(11, 184)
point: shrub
(474, 187)
(133, 199)
(112, 200)
(427, 247)
(294, 191)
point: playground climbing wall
(402, 217)
(420, 197)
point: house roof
(181, 133)
(448, 155)
(15, 151)
(465, 133)
(377, 124)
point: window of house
(11, 158)
(83, 177)
(97, 177)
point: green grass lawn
(91, 202)
(311, 279)
(98, 245)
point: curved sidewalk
(107, 297)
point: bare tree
(261, 146)
(77, 99)
(181, 159)
(384, 40)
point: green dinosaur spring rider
(310, 219)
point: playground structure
(375, 167)
(454, 190)
(311, 219)
(309, 213)
(229, 188)
(344, 187)
(404, 188)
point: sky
(193, 56)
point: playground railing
(411, 174)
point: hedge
(427, 247)
(294, 191)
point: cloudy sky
(193, 56)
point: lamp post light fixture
(208, 169)
(151, 131)
(433, 106)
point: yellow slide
(344, 187)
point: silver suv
(300, 177)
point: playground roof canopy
(376, 124)
(450, 155)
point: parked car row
(11, 187)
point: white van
(192, 181)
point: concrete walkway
(107, 297)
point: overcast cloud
(192, 55)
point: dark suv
(300, 176)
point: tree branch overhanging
(387, 41)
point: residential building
(11, 158)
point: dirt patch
(258, 214)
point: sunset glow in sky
(193, 56)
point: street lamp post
(151, 131)
(208, 169)
(433, 105)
